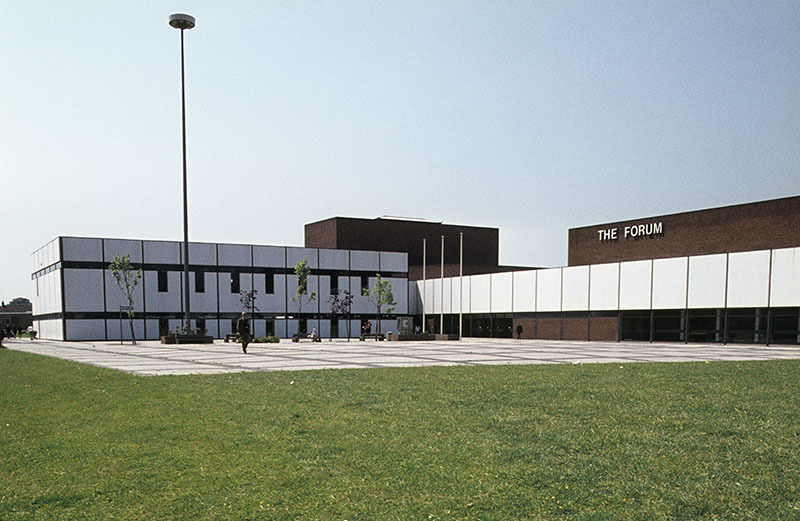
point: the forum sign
(633, 231)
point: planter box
(395, 337)
(187, 339)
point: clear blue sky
(533, 117)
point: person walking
(243, 328)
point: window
(163, 326)
(334, 284)
(269, 283)
(163, 286)
(270, 327)
(364, 283)
(234, 282)
(200, 282)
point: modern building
(76, 296)
(727, 274)
(417, 237)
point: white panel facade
(748, 279)
(47, 293)
(524, 291)
(274, 302)
(466, 296)
(785, 289)
(202, 254)
(80, 249)
(548, 290)
(269, 256)
(52, 329)
(360, 304)
(455, 295)
(280, 328)
(84, 290)
(307, 306)
(324, 328)
(205, 302)
(90, 329)
(233, 255)
(481, 287)
(115, 296)
(324, 293)
(225, 327)
(393, 262)
(446, 295)
(212, 328)
(414, 297)
(707, 281)
(604, 287)
(152, 329)
(115, 326)
(122, 247)
(174, 325)
(400, 294)
(229, 300)
(575, 289)
(364, 261)
(295, 255)
(46, 256)
(669, 283)
(334, 259)
(502, 292)
(162, 252)
(634, 284)
(169, 300)
(292, 327)
(436, 295)
(428, 294)
(387, 326)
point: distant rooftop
(413, 219)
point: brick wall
(754, 226)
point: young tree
(340, 305)
(248, 301)
(381, 295)
(127, 278)
(302, 271)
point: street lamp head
(181, 21)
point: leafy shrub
(267, 340)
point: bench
(232, 337)
(297, 338)
(376, 336)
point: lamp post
(184, 21)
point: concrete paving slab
(153, 358)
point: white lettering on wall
(608, 235)
(633, 231)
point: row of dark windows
(269, 284)
(733, 325)
(200, 282)
(747, 325)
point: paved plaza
(149, 358)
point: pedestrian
(243, 328)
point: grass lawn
(587, 442)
